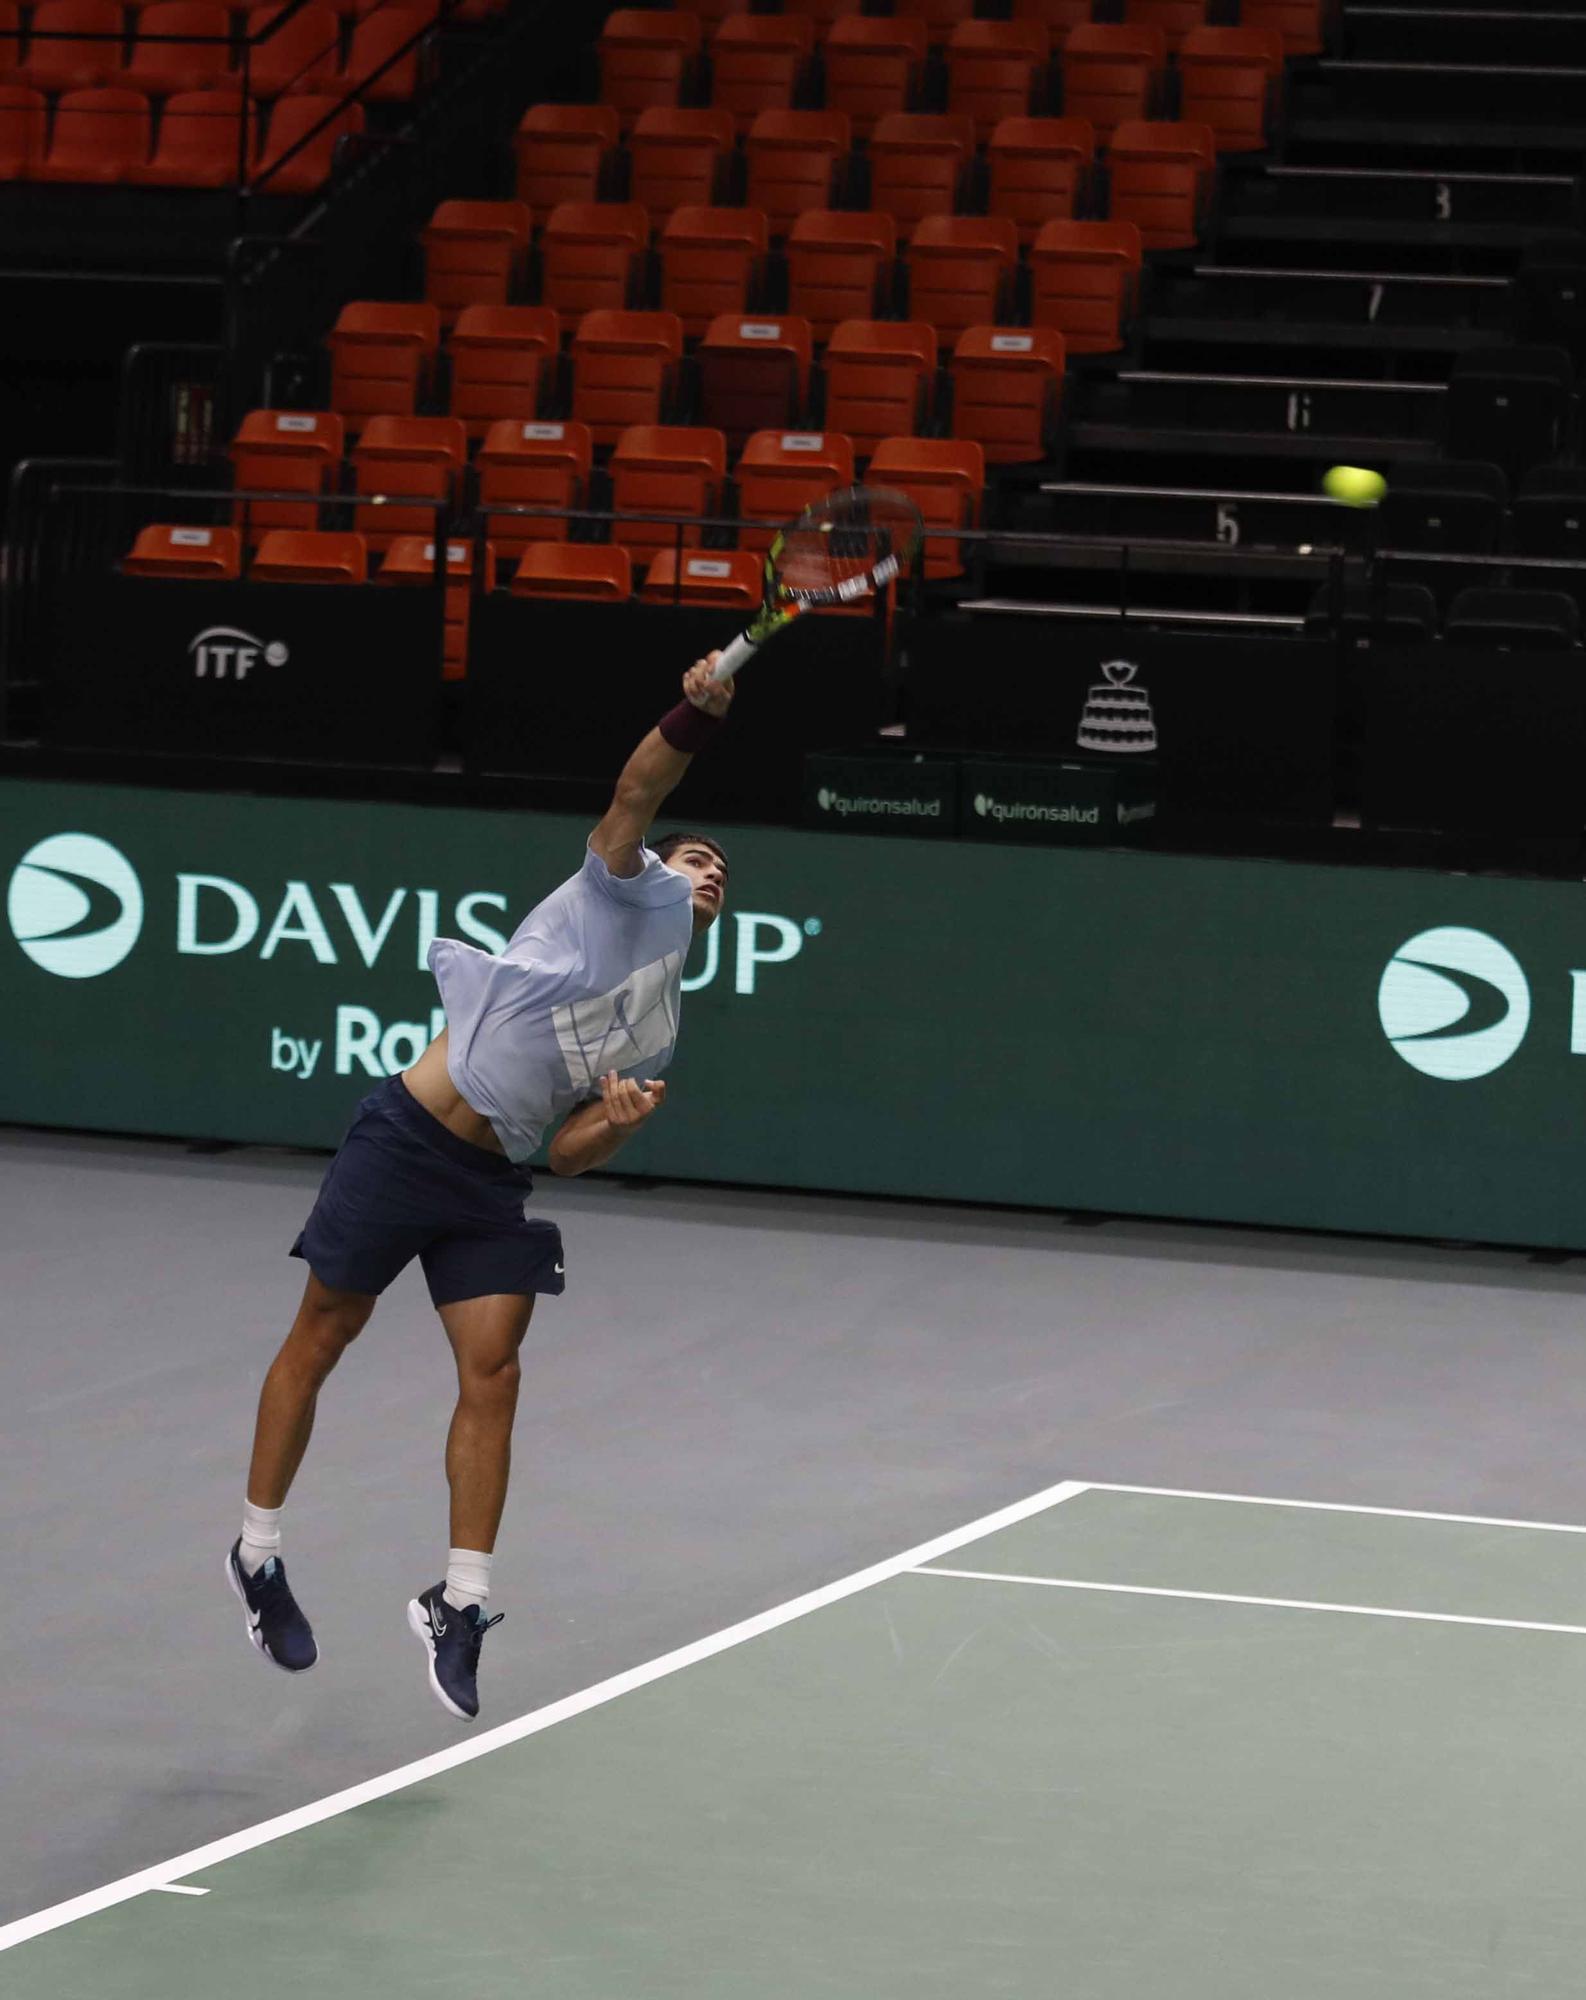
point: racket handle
(733, 656)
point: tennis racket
(845, 547)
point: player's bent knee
(494, 1387)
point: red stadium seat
(940, 16)
(499, 355)
(99, 136)
(22, 129)
(646, 58)
(753, 373)
(873, 67)
(713, 12)
(758, 62)
(1007, 388)
(1084, 281)
(1161, 178)
(575, 569)
(1112, 72)
(710, 262)
(561, 152)
(665, 469)
(475, 253)
(1040, 168)
(285, 451)
(797, 161)
(726, 578)
(1301, 23)
(1175, 18)
(55, 63)
(879, 377)
(590, 254)
(288, 555)
(300, 149)
(1228, 79)
(996, 70)
(918, 161)
(381, 357)
(783, 472)
(624, 365)
(823, 12)
(202, 143)
(532, 465)
(374, 62)
(961, 269)
(678, 158)
(839, 266)
(10, 40)
(161, 551)
(163, 67)
(302, 54)
(1058, 17)
(945, 479)
(406, 458)
(412, 560)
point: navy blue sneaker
(453, 1639)
(275, 1625)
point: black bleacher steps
(1551, 93)
(1395, 412)
(1132, 454)
(1351, 242)
(1520, 34)
(1230, 517)
(1406, 194)
(1363, 297)
(1309, 347)
(1538, 145)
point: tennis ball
(1354, 485)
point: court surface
(1108, 1742)
(907, 1782)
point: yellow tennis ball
(1354, 485)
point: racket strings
(846, 545)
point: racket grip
(733, 656)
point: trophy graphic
(1117, 716)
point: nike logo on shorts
(560, 1269)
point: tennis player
(570, 1027)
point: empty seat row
(106, 138)
(1302, 23)
(995, 69)
(1036, 168)
(751, 374)
(406, 470)
(181, 45)
(960, 270)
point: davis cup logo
(1454, 1003)
(75, 905)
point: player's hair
(669, 843)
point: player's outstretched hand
(715, 697)
(628, 1103)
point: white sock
(467, 1578)
(261, 1537)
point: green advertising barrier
(1379, 1050)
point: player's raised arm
(657, 765)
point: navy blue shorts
(402, 1186)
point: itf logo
(75, 905)
(1454, 1003)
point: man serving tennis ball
(573, 1022)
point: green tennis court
(1108, 1743)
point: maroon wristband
(688, 728)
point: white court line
(164, 1873)
(1225, 1597)
(1337, 1507)
(180, 1889)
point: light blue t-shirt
(590, 981)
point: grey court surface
(1085, 1768)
